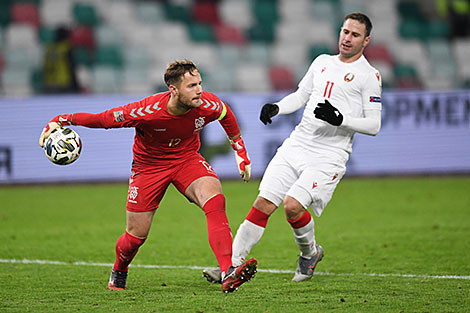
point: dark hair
(361, 18)
(176, 70)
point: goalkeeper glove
(242, 158)
(269, 110)
(328, 113)
(56, 122)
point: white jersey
(350, 87)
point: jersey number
(174, 142)
(328, 87)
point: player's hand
(242, 158)
(56, 122)
(269, 110)
(328, 113)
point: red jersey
(159, 134)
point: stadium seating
(281, 78)
(85, 14)
(82, 37)
(206, 12)
(16, 82)
(25, 13)
(106, 35)
(461, 48)
(229, 35)
(239, 45)
(237, 13)
(135, 81)
(54, 13)
(109, 56)
(106, 79)
(150, 12)
(252, 78)
(21, 36)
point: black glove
(269, 110)
(328, 113)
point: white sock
(305, 239)
(247, 237)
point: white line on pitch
(274, 271)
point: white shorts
(307, 176)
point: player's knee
(264, 205)
(293, 208)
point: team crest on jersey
(348, 77)
(118, 116)
(199, 123)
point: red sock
(302, 221)
(218, 229)
(257, 217)
(126, 249)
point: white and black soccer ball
(63, 146)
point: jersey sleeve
(306, 84)
(228, 121)
(372, 92)
(220, 111)
(129, 115)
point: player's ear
(366, 41)
(173, 90)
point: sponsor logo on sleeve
(118, 116)
(374, 99)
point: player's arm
(123, 116)
(370, 122)
(229, 123)
(287, 105)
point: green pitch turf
(390, 244)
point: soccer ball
(63, 146)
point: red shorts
(148, 184)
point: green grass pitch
(389, 245)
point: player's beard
(187, 103)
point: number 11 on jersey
(328, 88)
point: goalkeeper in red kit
(165, 151)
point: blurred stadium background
(240, 45)
(249, 52)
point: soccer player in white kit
(341, 94)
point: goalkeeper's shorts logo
(133, 194)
